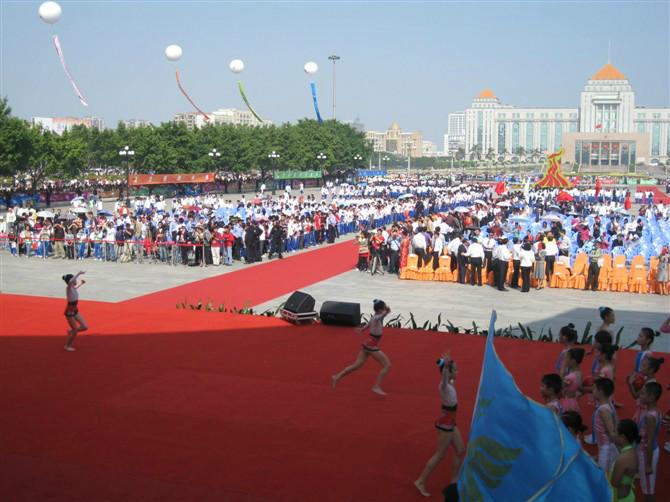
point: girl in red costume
(370, 348)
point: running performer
(447, 430)
(74, 318)
(370, 348)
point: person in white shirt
(452, 249)
(551, 248)
(475, 253)
(419, 247)
(526, 258)
(503, 255)
(489, 244)
(438, 247)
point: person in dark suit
(462, 260)
(277, 236)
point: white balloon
(50, 12)
(173, 52)
(311, 68)
(236, 66)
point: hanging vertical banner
(59, 51)
(246, 101)
(316, 103)
(183, 91)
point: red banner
(169, 179)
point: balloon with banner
(237, 66)
(519, 449)
(311, 68)
(173, 53)
(50, 13)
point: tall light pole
(126, 154)
(321, 158)
(408, 146)
(385, 159)
(357, 159)
(274, 157)
(215, 156)
(334, 58)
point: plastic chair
(619, 277)
(605, 273)
(561, 276)
(425, 273)
(654, 287)
(410, 271)
(579, 272)
(443, 273)
(637, 280)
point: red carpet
(659, 193)
(179, 405)
(260, 283)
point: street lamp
(214, 155)
(385, 159)
(334, 58)
(357, 159)
(408, 146)
(126, 154)
(274, 158)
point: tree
(15, 142)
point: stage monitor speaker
(299, 303)
(341, 313)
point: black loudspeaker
(299, 303)
(341, 313)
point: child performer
(568, 337)
(447, 430)
(647, 450)
(74, 318)
(573, 380)
(648, 370)
(573, 422)
(625, 467)
(605, 423)
(371, 347)
(551, 390)
(644, 339)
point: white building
(607, 130)
(59, 125)
(230, 116)
(455, 137)
(135, 123)
(394, 140)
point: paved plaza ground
(460, 304)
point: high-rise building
(59, 125)
(231, 116)
(455, 137)
(394, 140)
(606, 131)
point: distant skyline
(406, 62)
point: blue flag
(519, 449)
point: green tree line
(172, 147)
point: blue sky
(410, 62)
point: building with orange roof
(606, 132)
